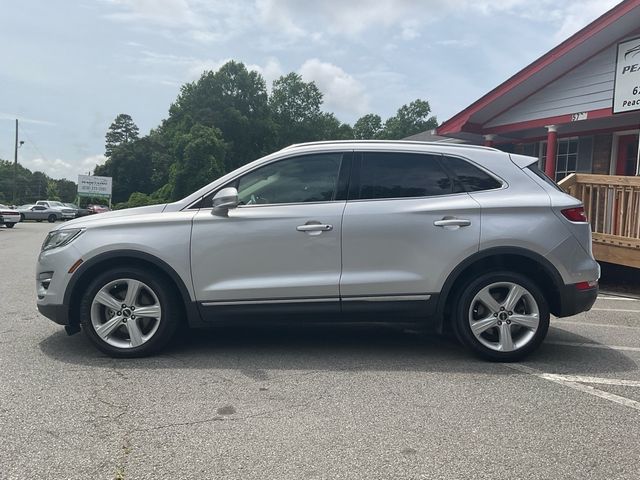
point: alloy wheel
(126, 313)
(504, 316)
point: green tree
(368, 127)
(67, 190)
(409, 120)
(130, 166)
(123, 130)
(200, 160)
(295, 106)
(234, 100)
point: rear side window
(539, 173)
(402, 175)
(470, 177)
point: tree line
(33, 186)
(228, 118)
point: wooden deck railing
(612, 205)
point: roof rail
(403, 142)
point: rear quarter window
(539, 173)
(469, 177)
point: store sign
(626, 87)
(90, 185)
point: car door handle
(452, 222)
(314, 227)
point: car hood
(98, 218)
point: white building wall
(587, 87)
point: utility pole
(15, 166)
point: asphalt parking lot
(312, 404)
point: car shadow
(333, 349)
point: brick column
(552, 142)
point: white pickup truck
(66, 212)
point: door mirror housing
(224, 200)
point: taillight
(575, 214)
(586, 285)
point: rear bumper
(57, 313)
(9, 218)
(574, 301)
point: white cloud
(576, 18)
(277, 15)
(166, 13)
(21, 119)
(93, 160)
(59, 168)
(271, 71)
(456, 42)
(342, 92)
(56, 168)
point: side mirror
(224, 200)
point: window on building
(566, 157)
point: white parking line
(589, 324)
(560, 379)
(614, 310)
(622, 299)
(598, 380)
(593, 345)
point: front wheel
(129, 312)
(51, 218)
(501, 316)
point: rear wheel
(128, 312)
(51, 218)
(501, 316)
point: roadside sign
(626, 86)
(93, 186)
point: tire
(506, 330)
(51, 218)
(128, 334)
(9, 225)
(22, 217)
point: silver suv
(447, 237)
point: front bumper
(574, 301)
(57, 313)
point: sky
(68, 67)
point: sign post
(93, 186)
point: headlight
(61, 237)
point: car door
(40, 212)
(280, 246)
(405, 227)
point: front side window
(402, 175)
(309, 178)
